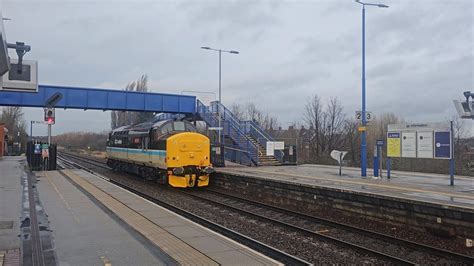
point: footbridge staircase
(244, 141)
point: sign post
(451, 161)
(389, 161)
(378, 161)
(338, 156)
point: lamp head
(382, 6)
(205, 47)
(233, 52)
(467, 94)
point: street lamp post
(363, 148)
(220, 87)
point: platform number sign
(368, 115)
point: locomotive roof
(139, 128)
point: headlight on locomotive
(178, 171)
(209, 170)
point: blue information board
(37, 148)
(442, 145)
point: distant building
(293, 136)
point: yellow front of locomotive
(188, 160)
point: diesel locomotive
(168, 151)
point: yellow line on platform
(369, 184)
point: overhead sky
(420, 54)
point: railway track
(366, 240)
(261, 247)
(95, 162)
(394, 250)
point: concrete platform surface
(185, 241)
(432, 188)
(83, 233)
(11, 172)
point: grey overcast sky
(420, 54)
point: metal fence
(217, 155)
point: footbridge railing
(244, 151)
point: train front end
(188, 160)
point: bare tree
(352, 136)
(236, 109)
(122, 118)
(251, 112)
(142, 86)
(15, 122)
(313, 116)
(334, 121)
(459, 129)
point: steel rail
(398, 261)
(87, 160)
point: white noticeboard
(425, 144)
(279, 145)
(270, 148)
(409, 144)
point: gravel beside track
(255, 221)
(383, 243)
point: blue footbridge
(244, 141)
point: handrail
(233, 118)
(252, 125)
(221, 106)
(265, 135)
(247, 154)
(235, 132)
(235, 149)
(227, 114)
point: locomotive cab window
(167, 128)
(179, 126)
(190, 127)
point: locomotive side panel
(150, 158)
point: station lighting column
(220, 88)
(363, 148)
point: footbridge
(100, 99)
(244, 141)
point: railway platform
(180, 240)
(417, 200)
(10, 208)
(85, 220)
(430, 188)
